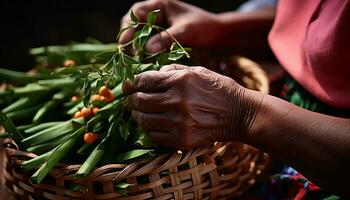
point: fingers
(153, 121)
(150, 81)
(148, 102)
(163, 40)
(163, 138)
(140, 10)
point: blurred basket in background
(222, 171)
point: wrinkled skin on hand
(184, 107)
(185, 23)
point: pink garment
(311, 39)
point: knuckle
(142, 79)
(136, 100)
(200, 68)
(125, 19)
(137, 6)
(183, 77)
(139, 118)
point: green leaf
(87, 92)
(151, 17)
(133, 17)
(104, 56)
(145, 67)
(117, 90)
(109, 65)
(132, 154)
(176, 52)
(119, 72)
(129, 73)
(129, 60)
(124, 131)
(76, 108)
(144, 34)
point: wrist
(244, 111)
(261, 118)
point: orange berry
(95, 110)
(89, 138)
(104, 91)
(107, 99)
(69, 63)
(77, 114)
(86, 112)
(74, 98)
(95, 97)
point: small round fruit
(104, 91)
(95, 110)
(77, 114)
(86, 112)
(107, 99)
(74, 98)
(95, 97)
(89, 138)
(69, 63)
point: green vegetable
(48, 134)
(11, 128)
(41, 127)
(24, 113)
(38, 160)
(20, 77)
(56, 156)
(23, 102)
(92, 160)
(131, 155)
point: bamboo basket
(221, 171)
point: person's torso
(311, 39)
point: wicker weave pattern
(221, 171)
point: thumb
(163, 40)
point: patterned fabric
(284, 182)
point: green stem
(11, 128)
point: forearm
(246, 30)
(317, 145)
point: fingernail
(153, 47)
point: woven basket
(222, 171)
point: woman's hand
(190, 25)
(184, 107)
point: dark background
(29, 23)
